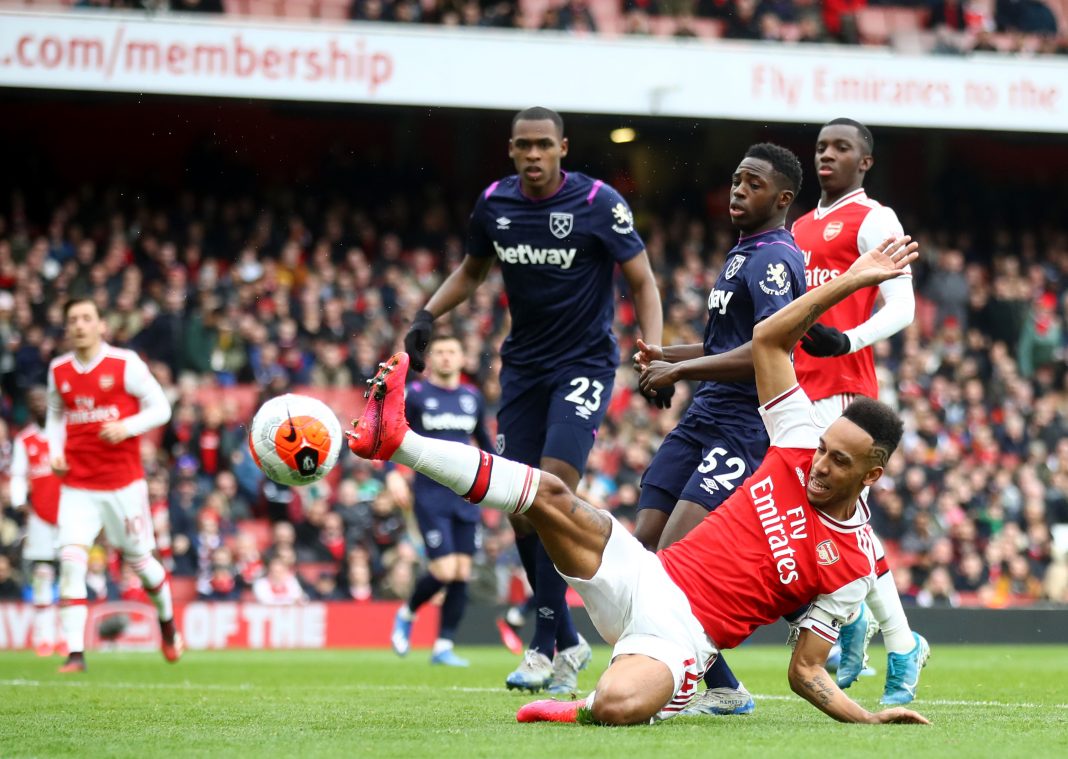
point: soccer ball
(294, 439)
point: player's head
(763, 187)
(445, 357)
(37, 403)
(843, 156)
(85, 328)
(853, 452)
(536, 147)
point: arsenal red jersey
(798, 553)
(30, 461)
(115, 385)
(831, 239)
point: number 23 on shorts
(586, 395)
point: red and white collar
(92, 363)
(857, 194)
(856, 522)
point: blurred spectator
(938, 590)
(98, 580)
(10, 587)
(279, 587)
(358, 575)
(247, 562)
(222, 584)
(326, 588)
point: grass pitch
(984, 701)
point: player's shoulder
(775, 245)
(64, 359)
(124, 355)
(468, 388)
(498, 190)
(27, 432)
(595, 192)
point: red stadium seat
(264, 8)
(299, 8)
(335, 9)
(236, 7)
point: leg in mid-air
(124, 513)
(577, 537)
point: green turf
(984, 701)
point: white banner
(394, 64)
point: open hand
(901, 716)
(885, 261)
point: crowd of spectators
(951, 27)
(943, 26)
(234, 298)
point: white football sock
(154, 578)
(885, 605)
(441, 644)
(478, 476)
(73, 612)
(44, 630)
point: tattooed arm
(775, 337)
(809, 679)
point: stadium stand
(1029, 27)
(977, 494)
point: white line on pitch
(186, 685)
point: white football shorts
(638, 609)
(122, 513)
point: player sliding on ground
(791, 535)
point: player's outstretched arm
(649, 352)
(457, 287)
(809, 679)
(733, 366)
(775, 337)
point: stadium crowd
(1029, 27)
(233, 298)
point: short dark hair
(879, 421)
(786, 164)
(442, 336)
(863, 131)
(75, 301)
(537, 113)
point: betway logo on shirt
(775, 526)
(464, 422)
(526, 254)
(817, 275)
